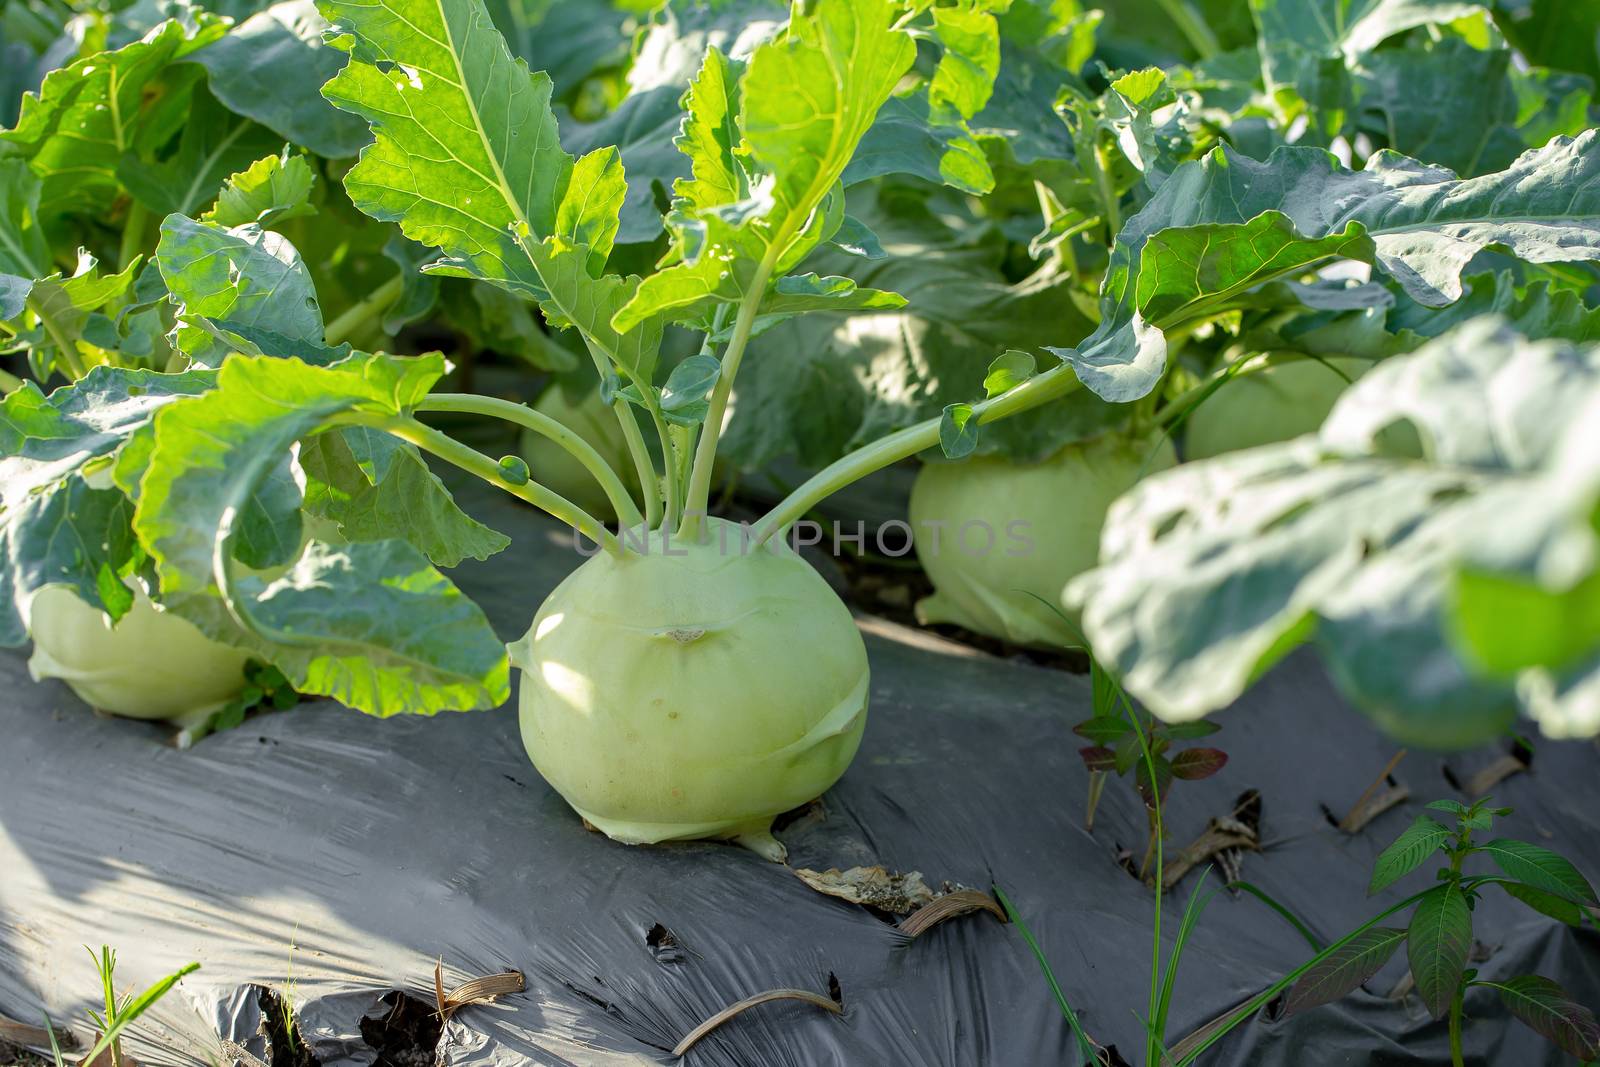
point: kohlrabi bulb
(997, 537)
(557, 469)
(692, 694)
(1276, 403)
(150, 664)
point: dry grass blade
(950, 906)
(1363, 812)
(474, 991)
(33, 1036)
(731, 1010)
(1221, 836)
(1177, 1052)
(1492, 775)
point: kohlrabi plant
(151, 119)
(693, 678)
(997, 536)
(1448, 593)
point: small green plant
(1438, 938)
(119, 1013)
(265, 686)
(1117, 746)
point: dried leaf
(875, 887)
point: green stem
(1108, 193)
(1193, 27)
(357, 315)
(669, 466)
(697, 498)
(472, 461)
(524, 416)
(133, 231)
(69, 348)
(644, 468)
(1455, 1027)
(1040, 389)
(9, 381)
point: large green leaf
(246, 275)
(404, 501)
(1486, 126)
(214, 143)
(371, 624)
(1225, 224)
(271, 67)
(1308, 45)
(1437, 944)
(54, 527)
(1211, 572)
(467, 160)
(91, 113)
(850, 58)
(378, 629)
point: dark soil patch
(17, 1056)
(405, 1033)
(890, 589)
(285, 1046)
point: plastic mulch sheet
(336, 857)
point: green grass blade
(1288, 916)
(137, 1007)
(1086, 1047)
(1191, 915)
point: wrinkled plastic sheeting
(346, 854)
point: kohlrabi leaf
(1486, 126)
(372, 624)
(271, 67)
(24, 252)
(1560, 34)
(273, 189)
(1308, 46)
(1224, 224)
(407, 502)
(91, 113)
(377, 628)
(645, 125)
(468, 161)
(54, 527)
(246, 275)
(925, 130)
(214, 143)
(1212, 572)
(798, 144)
